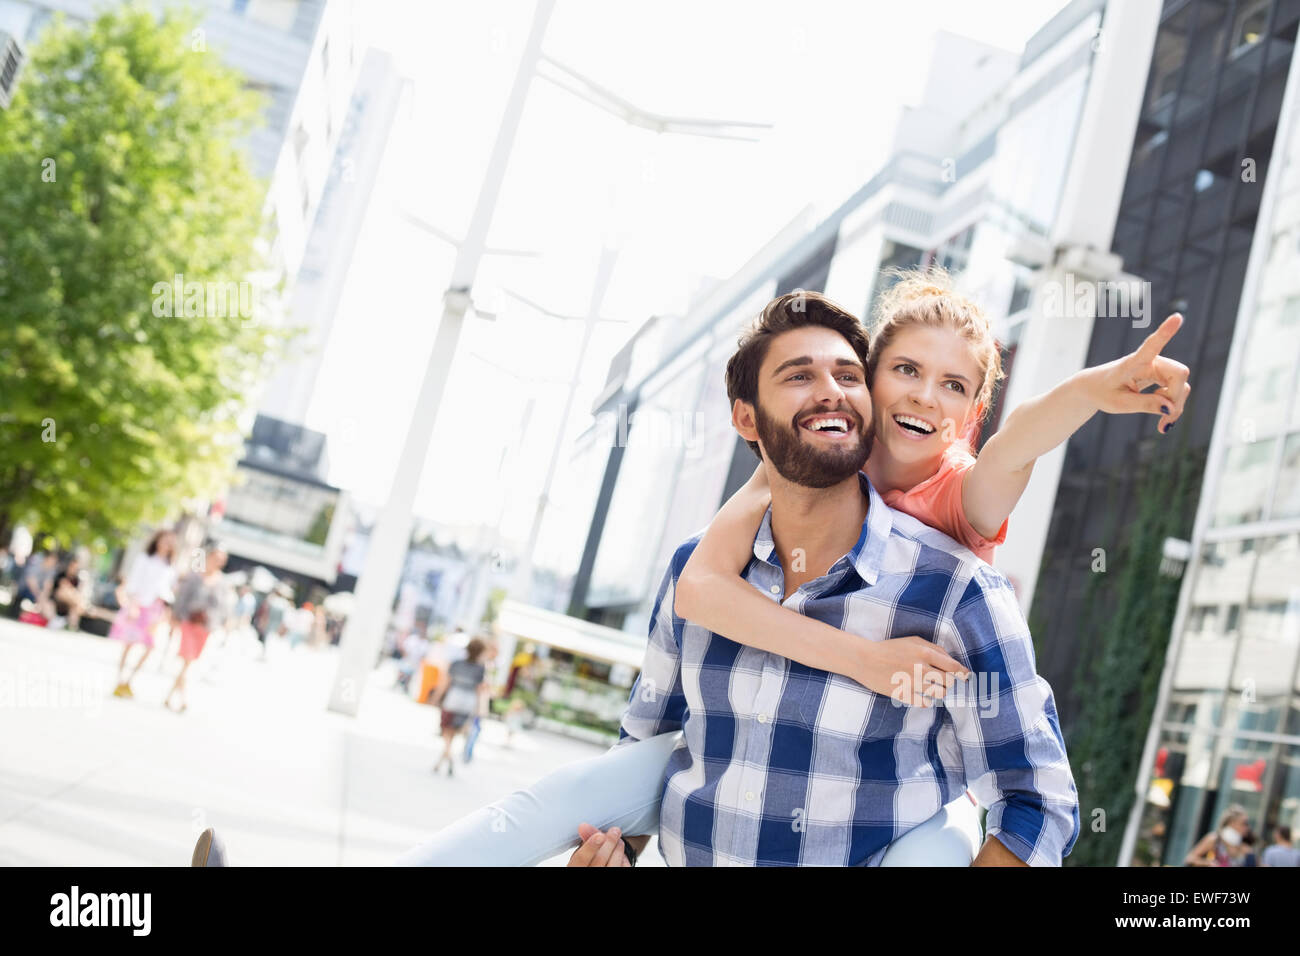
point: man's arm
(657, 703)
(1005, 721)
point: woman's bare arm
(711, 592)
(1196, 855)
(991, 489)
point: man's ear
(742, 419)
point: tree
(123, 167)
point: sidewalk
(87, 779)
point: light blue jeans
(622, 788)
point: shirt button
(775, 589)
(762, 718)
(749, 794)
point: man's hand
(599, 849)
(994, 853)
(1116, 387)
(911, 670)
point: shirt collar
(866, 556)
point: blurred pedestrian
(245, 607)
(298, 624)
(414, 647)
(484, 703)
(140, 599)
(36, 582)
(458, 696)
(67, 594)
(1226, 845)
(517, 665)
(1282, 852)
(201, 604)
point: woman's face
(923, 395)
(167, 546)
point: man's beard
(799, 462)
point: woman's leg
(121, 665)
(951, 837)
(148, 649)
(179, 686)
(448, 735)
(621, 787)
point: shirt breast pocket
(837, 705)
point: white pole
(360, 643)
(524, 572)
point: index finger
(1158, 339)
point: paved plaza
(88, 779)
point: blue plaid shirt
(781, 764)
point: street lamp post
(359, 643)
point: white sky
(830, 77)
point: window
(280, 14)
(1244, 483)
(1286, 500)
(1248, 29)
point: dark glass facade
(1186, 222)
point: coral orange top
(937, 502)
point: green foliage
(320, 525)
(123, 166)
(1131, 608)
(493, 610)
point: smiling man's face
(813, 416)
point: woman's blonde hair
(926, 297)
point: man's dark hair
(1284, 833)
(793, 310)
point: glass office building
(1228, 717)
(1186, 223)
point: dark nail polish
(1165, 409)
(1169, 427)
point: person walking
(1281, 852)
(1226, 845)
(484, 705)
(458, 696)
(201, 605)
(140, 599)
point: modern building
(320, 278)
(1226, 726)
(1210, 106)
(281, 513)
